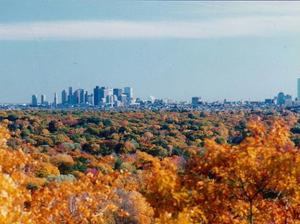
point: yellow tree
(238, 184)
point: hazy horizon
(168, 49)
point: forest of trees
(149, 167)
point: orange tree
(253, 182)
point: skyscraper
(117, 93)
(34, 101)
(298, 89)
(79, 96)
(97, 96)
(55, 100)
(103, 93)
(43, 99)
(128, 91)
(86, 97)
(70, 96)
(64, 97)
(81, 91)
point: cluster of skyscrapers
(101, 97)
(287, 100)
(105, 97)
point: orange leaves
(257, 179)
(256, 128)
(12, 199)
(46, 169)
(4, 136)
(248, 175)
(62, 159)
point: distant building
(128, 91)
(55, 101)
(43, 99)
(298, 89)
(124, 99)
(110, 99)
(97, 96)
(284, 100)
(104, 92)
(288, 101)
(269, 101)
(118, 93)
(70, 96)
(196, 101)
(89, 99)
(34, 101)
(86, 97)
(280, 99)
(79, 96)
(64, 97)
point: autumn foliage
(173, 168)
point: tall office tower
(86, 97)
(298, 90)
(117, 93)
(55, 100)
(97, 96)
(104, 92)
(43, 99)
(70, 96)
(34, 101)
(124, 99)
(76, 96)
(90, 98)
(109, 99)
(79, 96)
(128, 91)
(64, 98)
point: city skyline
(43, 96)
(171, 50)
(120, 97)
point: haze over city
(176, 50)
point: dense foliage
(149, 167)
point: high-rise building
(86, 97)
(79, 96)
(103, 93)
(110, 99)
(43, 99)
(124, 99)
(64, 98)
(298, 90)
(55, 100)
(34, 100)
(70, 96)
(97, 96)
(91, 99)
(128, 91)
(117, 93)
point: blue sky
(169, 49)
